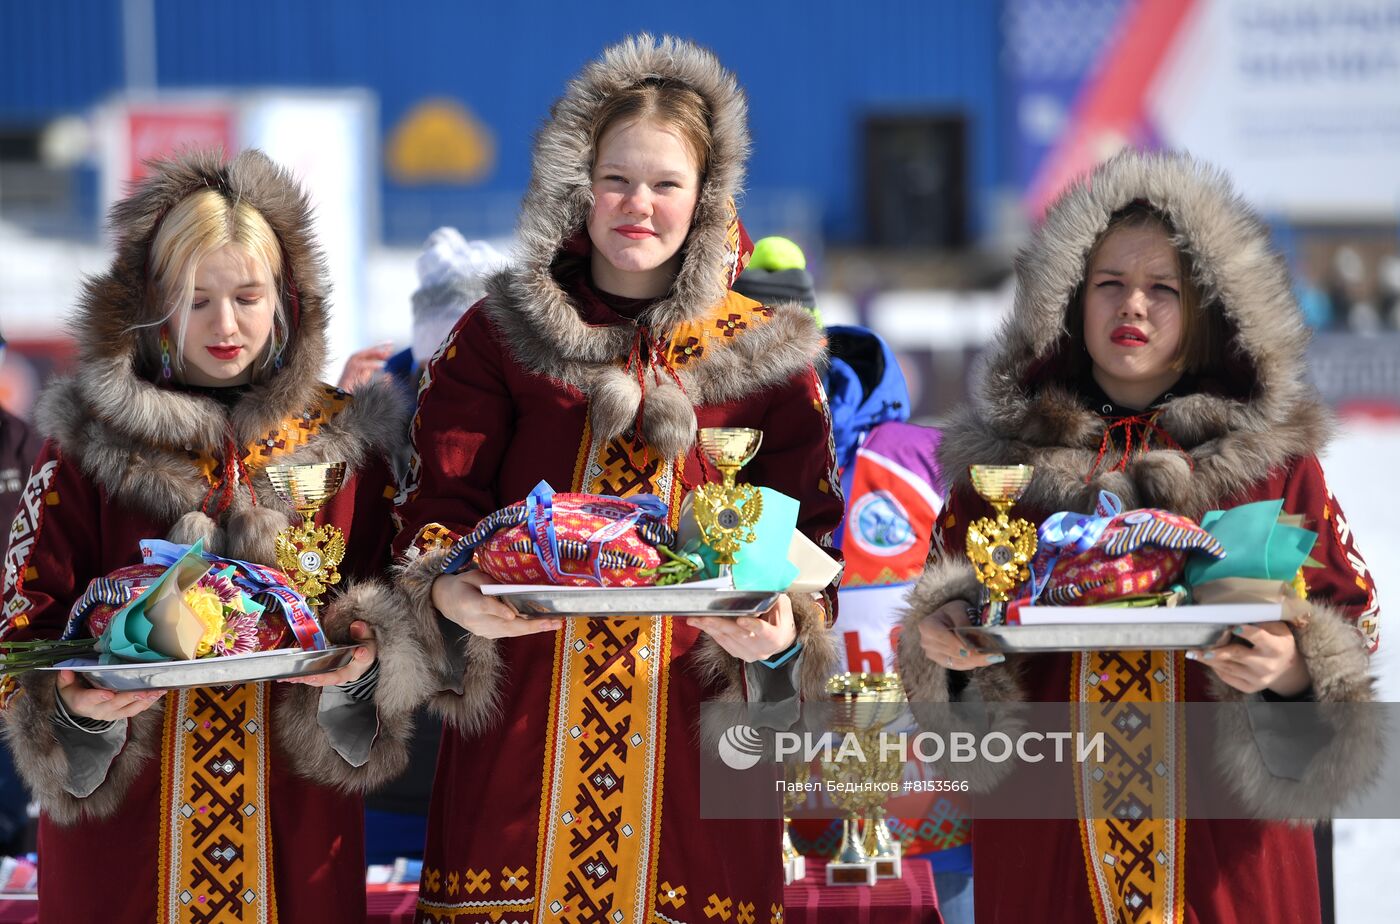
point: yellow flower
(209, 609)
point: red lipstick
(1128, 336)
(635, 232)
(224, 353)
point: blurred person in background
(19, 447)
(199, 361)
(1388, 286)
(1155, 351)
(452, 274)
(890, 480)
(1347, 289)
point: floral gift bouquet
(181, 603)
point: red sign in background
(158, 131)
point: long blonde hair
(194, 228)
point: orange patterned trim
(1132, 828)
(291, 435)
(713, 330)
(434, 537)
(216, 839)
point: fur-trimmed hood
(134, 437)
(539, 314)
(1248, 418)
(117, 328)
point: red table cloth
(19, 911)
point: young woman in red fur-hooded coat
(200, 353)
(1155, 351)
(567, 788)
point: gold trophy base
(844, 874)
(794, 868)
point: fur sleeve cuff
(43, 762)
(990, 701)
(942, 582)
(818, 646)
(464, 671)
(1263, 746)
(403, 683)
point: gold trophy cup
(864, 705)
(726, 512)
(309, 554)
(880, 846)
(1001, 548)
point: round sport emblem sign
(880, 525)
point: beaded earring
(165, 370)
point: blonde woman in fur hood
(199, 361)
(567, 787)
(1155, 351)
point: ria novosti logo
(740, 747)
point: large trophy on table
(864, 705)
(309, 554)
(1000, 548)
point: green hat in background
(777, 273)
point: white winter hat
(452, 273)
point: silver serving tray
(1095, 636)
(212, 672)
(641, 601)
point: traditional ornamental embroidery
(291, 435)
(715, 329)
(600, 820)
(1369, 620)
(1132, 805)
(216, 840)
(504, 911)
(24, 533)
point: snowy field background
(1358, 465)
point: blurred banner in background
(1299, 100)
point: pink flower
(240, 635)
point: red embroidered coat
(1247, 427)
(216, 804)
(568, 783)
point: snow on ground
(1358, 465)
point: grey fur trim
(668, 420)
(1351, 761)
(560, 195)
(720, 670)
(252, 533)
(536, 319)
(159, 479)
(42, 762)
(614, 397)
(464, 672)
(195, 527)
(993, 696)
(403, 683)
(818, 646)
(1232, 442)
(942, 582)
(117, 322)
